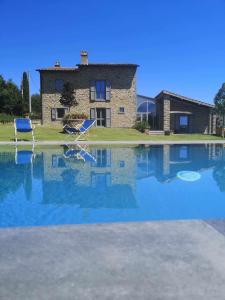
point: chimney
(84, 57)
(57, 64)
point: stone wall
(123, 92)
(166, 113)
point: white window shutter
(53, 114)
(92, 90)
(108, 117)
(93, 114)
(108, 90)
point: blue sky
(179, 44)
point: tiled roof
(59, 69)
(184, 98)
(75, 69)
(107, 64)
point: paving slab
(145, 260)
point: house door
(102, 116)
(183, 124)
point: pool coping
(163, 142)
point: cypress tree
(67, 96)
(25, 92)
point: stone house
(180, 114)
(104, 91)
(107, 92)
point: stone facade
(122, 78)
(199, 116)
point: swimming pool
(52, 186)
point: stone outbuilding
(179, 114)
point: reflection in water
(118, 184)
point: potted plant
(73, 119)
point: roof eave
(58, 70)
(197, 102)
(108, 65)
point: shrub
(34, 116)
(7, 118)
(141, 125)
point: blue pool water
(52, 186)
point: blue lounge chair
(23, 125)
(81, 130)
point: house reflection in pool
(164, 162)
(100, 184)
(111, 181)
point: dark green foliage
(36, 106)
(10, 98)
(25, 92)
(141, 125)
(9, 169)
(67, 96)
(219, 101)
(6, 118)
(12, 103)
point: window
(103, 157)
(121, 110)
(101, 181)
(183, 120)
(122, 163)
(58, 113)
(58, 161)
(59, 83)
(100, 88)
(183, 152)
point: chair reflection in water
(80, 154)
(24, 157)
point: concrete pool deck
(46, 143)
(149, 260)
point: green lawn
(45, 133)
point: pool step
(155, 132)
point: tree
(10, 98)
(36, 105)
(67, 96)
(25, 91)
(219, 101)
